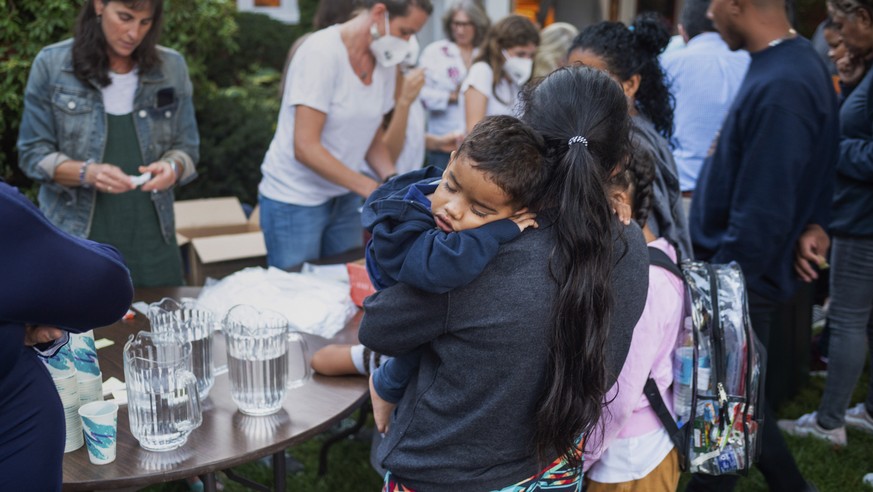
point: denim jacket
(65, 119)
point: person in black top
(764, 193)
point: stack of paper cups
(63, 373)
(85, 359)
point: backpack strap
(677, 436)
(659, 258)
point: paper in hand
(141, 179)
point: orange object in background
(529, 9)
(359, 282)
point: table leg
(209, 484)
(279, 471)
(322, 456)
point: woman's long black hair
(633, 50)
(90, 60)
(578, 102)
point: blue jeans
(296, 233)
(851, 327)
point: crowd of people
(510, 182)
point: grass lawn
(832, 470)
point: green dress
(129, 221)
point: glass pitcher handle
(195, 412)
(296, 336)
(218, 369)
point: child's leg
(339, 359)
(334, 360)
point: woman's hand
(447, 143)
(381, 409)
(108, 178)
(163, 176)
(413, 81)
(36, 334)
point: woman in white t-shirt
(446, 62)
(340, 85)
(501, 69)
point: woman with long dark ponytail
(630, 55)
(516, 364)
(587, 144)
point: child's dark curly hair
(638, 179)
(633, 50)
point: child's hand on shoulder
(524, 219)
(621, 208)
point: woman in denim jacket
(99, 109)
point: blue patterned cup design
(84, 353)
(61, 364)
(100, 424)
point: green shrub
(236, 126)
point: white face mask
(518, 69)
(411, 58)
(389, 50)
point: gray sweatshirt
(466, 421)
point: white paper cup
(68, 387)
(90, 387)
(100, 426)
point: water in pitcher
(160, 411)
(201, 362)
(257, 378)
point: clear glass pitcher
(258, 345)
(194, 325)
(163, 403)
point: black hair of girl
(633, 50)
(638, 179)
(577, 102)
(90, 60)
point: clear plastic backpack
(718, 372)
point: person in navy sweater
(52, 283)
(765, 191)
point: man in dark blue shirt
(765, 191)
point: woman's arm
(475, 105)
(409, 87)
(379, 158)
(38, 149)
(309, 150)
(52, 278)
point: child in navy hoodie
(437, 232)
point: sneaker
(819, 317)
(807, 425)
(858, 418)
(868, 479)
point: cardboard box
(359, 282)
(217, 239)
